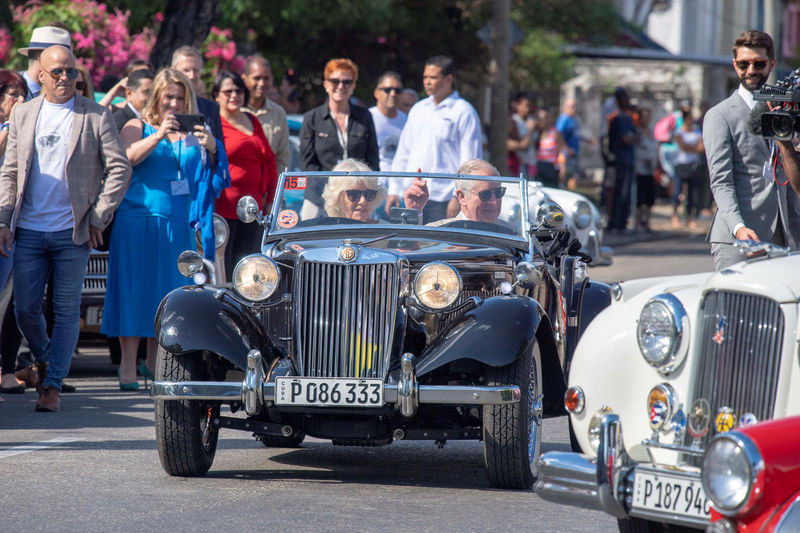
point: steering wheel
(481, 226)
(327, 221)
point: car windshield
(314, 201)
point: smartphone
(187, 121)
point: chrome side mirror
(247, 209)
(527, 275)
(190, 263)
(550, 215)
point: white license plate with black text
(667, 493)
(338, 392)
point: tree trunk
(186, 22)
(498, 131)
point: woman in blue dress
(172, 191)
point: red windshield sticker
(296, 182)
(287, 218)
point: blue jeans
(36, 254)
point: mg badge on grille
(719, 331)
(347, 253)
(725, 421)
(699, 418)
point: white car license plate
(667, 493)
(339, 392)
(94, 315)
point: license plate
(666, 493)
(339, 392)
(94, 315)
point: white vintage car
(670, 363)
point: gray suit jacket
(98, 171)
(736, 160)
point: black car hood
(415, 250)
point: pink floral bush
(220, 52)
(100, 35)
(6, 45)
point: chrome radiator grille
(740, 347)
(345, 318)
(94, 281)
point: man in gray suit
(751, 202)
(64, 174)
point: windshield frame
(434, 232)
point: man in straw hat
(41, 38)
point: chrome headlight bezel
(677, 347)
(452, 280)
(582, 214)
(269, 283)
(221, 231)
(722, 451)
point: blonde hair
(332, 194)
(152, 109)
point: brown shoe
(29, 376)
(49, 400)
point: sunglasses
(229, 92)
(390, 90)
(56, 73)
(759, 64)
(486, 195)
(343, 83)
(354, 195)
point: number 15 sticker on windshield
(295, 182)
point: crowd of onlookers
(141, 169)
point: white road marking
(27, 448)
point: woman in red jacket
(251, 163)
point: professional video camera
(783, 122)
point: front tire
(187, 439)
(511, 432)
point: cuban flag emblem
(719, 331)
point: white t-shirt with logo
(46, 205)
(388, 132)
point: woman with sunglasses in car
(354, 197)
(251, 163)
(335, 131)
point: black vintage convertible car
(365, 328)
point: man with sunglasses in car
(480, 201)
(752, 203)
(64, 174)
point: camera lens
(782, 126)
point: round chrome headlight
(221, 231)
(582, 214)
(256, 277)
(595, 426)
(663, 332)
(733, 473)
(437, 285)
(660, 403)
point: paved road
(94, 466)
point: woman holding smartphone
(171, 192)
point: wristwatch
(3, 225)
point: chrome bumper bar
(605, 483)
(253, 391)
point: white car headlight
(663, 332)
(733, 473)
(221, 231)
(437, 285)
(256, 277)
(582, 214)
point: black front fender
(494, 333)
(193, 319)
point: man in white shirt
(751, 202)
(388, 119)
(258, 79)
(64, 174)
(137, 91)
(442, 131)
